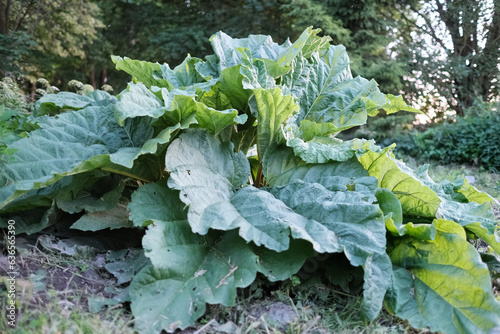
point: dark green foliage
(13, 50)
(172, 148)
(472, 140)
(366, 28)
(461, 65)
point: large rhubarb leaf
(442, 283)
(227, 48)
(324, 149)
(215, 204)
(141, 71)
(156, 202)
(71, 143)
(76, 142)
(330, 99)
(357, 222)
(420, 196)
(53, 103)
(416, 198)
(176, 107)
(281, 166)
(138, 101)
(330, 217)
(273, 111)
(351, 215)
(188, 271)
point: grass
(55, 314)
(316, 309)
(484, 180)
(53, 291)
(52, 297)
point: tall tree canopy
(424, 47)
(368, 29)
(456, 50)
(38, 36)
(163, 31)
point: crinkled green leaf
(73, 143)
(68, 144)
(351, 215)
(255, 74)
(31, 221)
(273, 110)
(357, 222)
(420, 196)
(377, 269)
(394, 104)
(84, 194)
(473, 195)
(415, 197)
(460, 202)
(307, 44)
(392, 209)
(141, 71)
(67, 100)
(323, 149)
(127, 156)
(468, 213)
(155, 201)
(182, 108)
(421, 231)
(329, 98)
(442, 284)
(138, 101)
(188, 271)
(197, 149)
(231, 84)
(214, 203)
(184, 75)
(114, 218)
(281, 166)
(228, 49)
(50, 103)
(492, 239)
(43, 197)
(281, 266)
(266, 221)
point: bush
(231, 169)
(474, 140)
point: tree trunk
(104, 77)
(4, 17)
(92, 78)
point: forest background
(443, 54)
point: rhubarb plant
(237, 172)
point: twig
(199, 331)
(222, 281)
(313, 323)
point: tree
(368, 29)
(44, 36)
(162, 32)
(462, 64)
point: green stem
(258, 181)
(122, 172)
